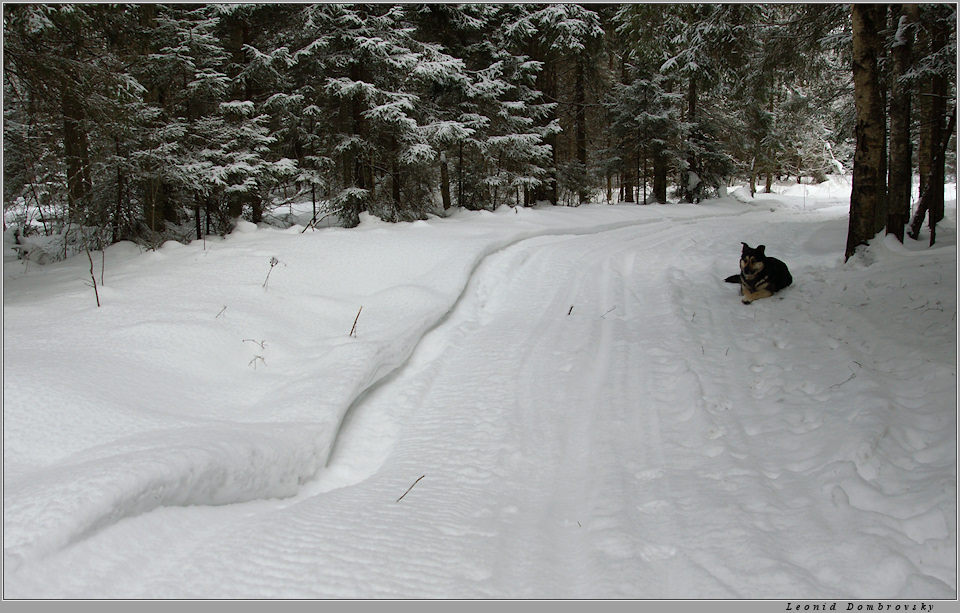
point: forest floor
(531, 403)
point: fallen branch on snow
(353, 330)
(410, 488)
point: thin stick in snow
(93, 278)
(410, 488)
(852, 376)
(353, 330)
(604, 316)
(273, 262)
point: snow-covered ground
(551, 402)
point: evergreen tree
(566, 38)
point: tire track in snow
(345, 467)
(548, 479)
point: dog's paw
(746, 301)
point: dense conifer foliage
(157, 121)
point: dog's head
(751, 259)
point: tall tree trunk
(157, 208)
(938, 114)
(930, 186)
(444, 182)
(196, 216)
(627, 176)
(933, 137)
(75, 150)
(396, 176)
(547, 83)
(580, 102)
(659, 175)
(256, 207)
(880, 213)
(883, 74)
(121, 185)
(688, 191)
(901, 165)
(868, 184)
(460, 175)
(355, 168)
(643, 166)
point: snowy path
(600, 417)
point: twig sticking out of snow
(353, 330)
(410, 488)
(273, 262)
(93, 278)
(263, 345)
(604, 316)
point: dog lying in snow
(760, 275)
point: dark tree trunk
(627, 176)
(688, 193)
(75, 150)
(883, 74)
(901, 164)
(444, 182)
(868, 182)
(643, 178)
(880, 213)
(157, 208)
(547, 83)
(356, 171)
(118, 211)
(256, 208)
(580, 100)
(121, 186)
(196, 216)
(235, 206)
(659, 176)
(930, 188)
(933, 138)
(460, 175)
(396, 175)
(938, 134)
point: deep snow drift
(555, 402)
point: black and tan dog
(760, 275)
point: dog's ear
(760, 249)
(746, 247)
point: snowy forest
(150, 122)
(421, 301)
